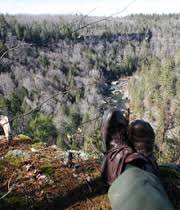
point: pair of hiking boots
(126, 144)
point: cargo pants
(136, 189)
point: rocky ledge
(37, 176)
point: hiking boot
(141, 136)
(117, 151)
(114, 128)
(116, 159)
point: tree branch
(51, 97)
(106, 18)
(13, 48)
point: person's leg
(130, 171)
(136, 189)
(118, 153)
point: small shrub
(47, 170)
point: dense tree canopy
(54, 54)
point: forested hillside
(60, 69)
(158, 101)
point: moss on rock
(15, 157)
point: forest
(59, 69)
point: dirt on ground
(36, 176)
(45, 181)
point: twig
(89, 186)
(13, 48)
(10, 181)
(78, 29)
(72, 207)
(10, 188)
(83, 18)
(9, 191)
(51, 97)
(18, 46)
(106, 18)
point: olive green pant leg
(136, 189)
